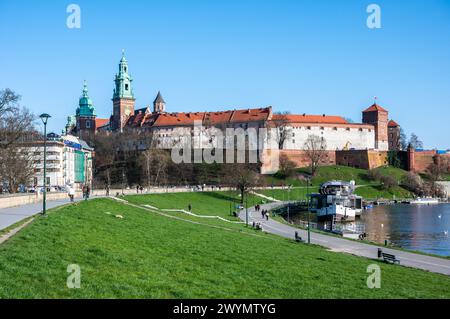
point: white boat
(336, 199)
(425, 201)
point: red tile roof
(375, 107)
(101, 122)
(212, 118)
(392, 123)
(318, 119)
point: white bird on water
(440, 216)
(446, 232)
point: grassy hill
(203, 203)
(146, 255)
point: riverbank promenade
(336, 244)
(13, 215)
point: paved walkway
(433, 264)
(10, 216)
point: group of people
(264, 212)
(86, 190)
(139, 188)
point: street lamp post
(289, 203)
(246, 211)
(309, 219)
(44, 117)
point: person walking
(189, 207)
(88, 192)
(107, 190)
(71, 193)
(267, 216)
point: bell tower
(159, 105)
(85, 116)
(378, 117)
(123, 96)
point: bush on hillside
(374, 175)
(388, 182)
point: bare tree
(156, 163)
(15, 121)
(403, 140)
(16, 126)
(16, 167)
(415, 142)
(287, 167)
(243, 177)
(280, 124)
(436, 170)
(315, 150)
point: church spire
(123, 96)
(159, 105)
(123, 80)
(86, 107)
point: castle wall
(365, 159)
(337, 137)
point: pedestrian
(107, 190)
(137, 189)
(262, 213)
(142, 189)
(88, 192)
(267, 216)
(71, 193)
(189, 207)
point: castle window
(335, 128)
(126, 86)
(322, 128)
(360, 129)
(308, 128)
(88, 124)
(348, 129)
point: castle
(362, 144)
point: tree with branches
(315, 150)
(280, 125)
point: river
(416, 227)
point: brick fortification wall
(420, 161)
(365, 159)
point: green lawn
(282, 194)
(145, 255)
(376, 192)
(203, 203)
(371, 189)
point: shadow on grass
(222, 196)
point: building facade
(373, 133)
(69, 162)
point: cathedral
(375, 133)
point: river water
(423, 228)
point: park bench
(298, 239)
(390, 258)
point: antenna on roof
(375, 100)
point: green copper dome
(86, 107)
(123, 81)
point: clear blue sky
(302, 56)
